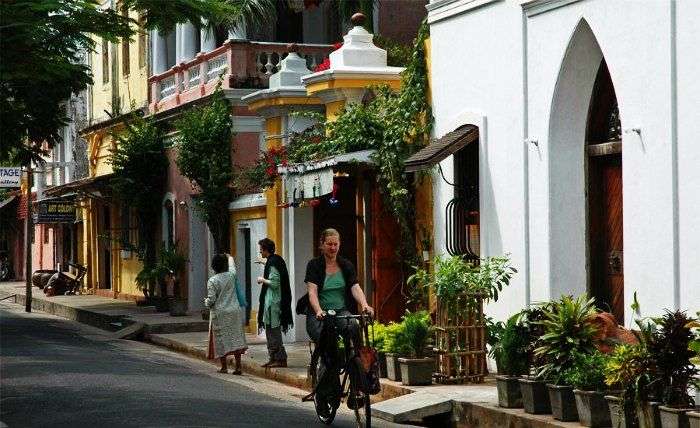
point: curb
(276, 374)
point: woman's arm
(360, 298)
(212, 292)
(313, 299)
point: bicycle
(355, 386)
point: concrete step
(412, 407)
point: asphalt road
(55, 372)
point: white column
(160, 52)
(178, 44)
(207, 39)
(189, 45)
(238, 32)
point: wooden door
(605, 233)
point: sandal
(237, 373)
(222, 370)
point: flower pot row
(590, 408)
(408, 371)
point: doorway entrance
(605, 235)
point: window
(463, 211)
(105, 61)
(125, 48)
(125, 237)
(142, 41)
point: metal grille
(462, 228)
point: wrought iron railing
(462, 228)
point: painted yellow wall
(132, 87)
(237, 216)
(273, 127)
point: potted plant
(378, 338)
(395, 346)
(671, 353)
(416, 369)
(587, 376)
(568, 329)
(626, 366)
(533, 388)
(170, 267)
(146, 280)
(510, 353)
(694, 417)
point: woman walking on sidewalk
(226, 303)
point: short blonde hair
(328, 232)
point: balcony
(239, 64)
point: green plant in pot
(510, 353)
(568, 330)
(626, 365)
(670, 351)
(694, 417)
(171, 267)
(395, 346)
(416, 369)
(587, 375)
(379, 342)
(534, 390)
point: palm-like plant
(568, 329)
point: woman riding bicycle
(332, 285)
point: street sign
(10, 176)
(55, 212)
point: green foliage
(42, 48)
(397, 54)
(204, 157)
(139, 165)
(455, 276)
(379, 335)
(671, 355)
(568, 331)
(510, 351)
(395, 341)
(694, 344)
(530, 318)
(587, 371)
(624, 366)
(416, 328)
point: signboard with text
(55, 212)
(10, 176)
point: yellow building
(120, 73)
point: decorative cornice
(444, 9)
(536, 7)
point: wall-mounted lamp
(183, 204)
(532, 141)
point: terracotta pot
(592, 409)
(535, 396)
(563, 402)
(417, 371)
(509, 394)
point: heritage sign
(10, 176)
(55, 212)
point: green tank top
(333, 294)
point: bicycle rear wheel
(358, 399)
(325, 411)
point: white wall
(688, 72)
(513, 70)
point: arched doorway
(585, 178)
(605, 240)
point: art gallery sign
(10, 176)
(55, 212)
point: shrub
(511, 350)
(587, 371)
(416, 328)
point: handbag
(370, 366)
(302, 305)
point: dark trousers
(275, 346)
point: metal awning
(441, 148)
(6, 201)
(315, 178)
(82, 186)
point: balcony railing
(237, 63)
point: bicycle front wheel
(324, 409)
(358, 399)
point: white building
(543, 81)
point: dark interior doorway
(605, 214)
(341, 217)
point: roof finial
(358, 19)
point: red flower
(326, 64)
(271, 171)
